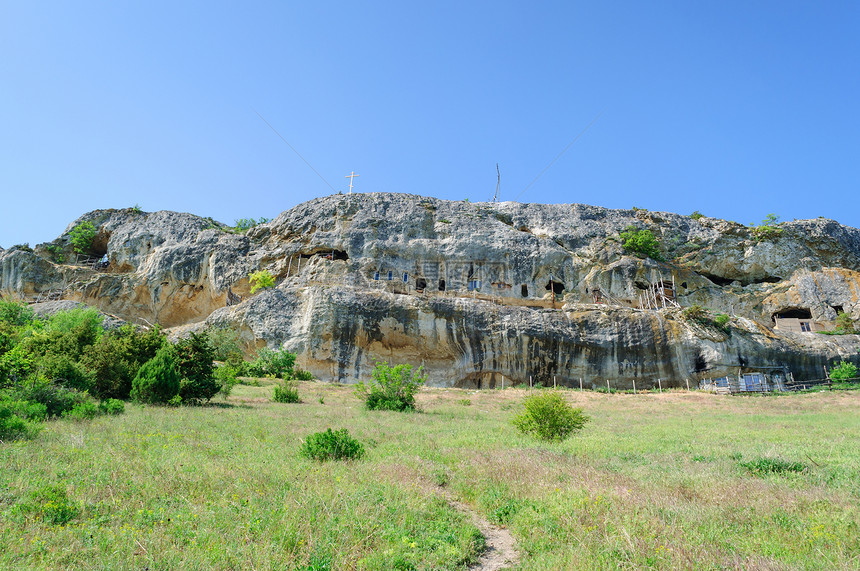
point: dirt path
(501, 551)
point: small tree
(843, 371)
(845, 323)
(261, 279)
(641, 242)
(194, 356)
(82, 237)
(391, 388)
(158, 380)
(548, 416)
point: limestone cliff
(480, 293)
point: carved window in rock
(390, 275)
(376, 275)
(474, 285)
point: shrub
(641, 242)
(112, 407)
(25, 409)
(225, 343)
(56, 398)
(277, 363)
(226, 377)
(82, 237)
(15, 365)
(14, 313)
(116, 358)
(767, 230)
(696, 215)
(194, 358)
(64, 370)
(56, 252)
(243, 224)
(158, 379)
(548, 416)
(12, 426)
(261, 279)
(844, 371)
(762, 466)
(391, 388)
(721, 320)
(51, 504)
(696, 313)
(286, 392)
(845, 323)
(332, 445)
(86, 410)
(302, 375)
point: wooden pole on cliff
(660, 384)
(580, 384)
(634, 386)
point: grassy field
(662, 481)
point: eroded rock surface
(481, 294)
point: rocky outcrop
(479, 293)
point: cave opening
(555, 287)
(838, 309)
(420, 284)
(793, 313)
(524, 290)
(441, 285)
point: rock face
(481, 294)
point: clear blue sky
(734, 108)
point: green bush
(721, 320)
(286, 392)
(15, 313)
(269, 362)
(301, 375)
(845, 324)
(15, 365)
(262, 279)
(12, 426)
(391, 388)
(63, 370)
(843, 371)
(86, 410)
(332, 445)
(226, 376)
(762, 466)
(641, 242)
(226, 343)
(25, 409)
(112, 407)
(696, 215)
(194, 358)
(82, 237)
(243, 224)
(158, 380)
(116, 358)
(767, 230)
(548, 416)
(52, 505)
(56, 398)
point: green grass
(653, 481)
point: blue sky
(736, 109)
